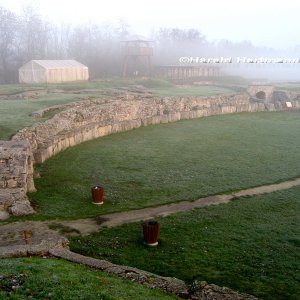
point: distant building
(137, 57)
(186, 72)
(53, 71)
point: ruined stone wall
(91, 119)
(16, 177)
(267, 89)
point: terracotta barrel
(150, 231)
(98, 195)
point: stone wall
(16, 177)
(91, 119)
(267, 89)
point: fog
(251, 33)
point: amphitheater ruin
(89, 119)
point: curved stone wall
(91, 119)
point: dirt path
(87, 226)
(41, 238)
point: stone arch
(261, 91)
(261, 95)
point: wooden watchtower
(137, 58)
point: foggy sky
(263, 22)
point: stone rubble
(16, 178)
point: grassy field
(40, 278)
(251, 245)
(290, 86)
(15, 114)
(165, 88)
(168, 163)
(191, 91)
(11, 89)
(152, 83)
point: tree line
(28, 36)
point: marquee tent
(53, 71)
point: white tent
(53, 71)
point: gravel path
(41, 238)
(87, 226)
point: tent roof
(55, 64)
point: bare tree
(172, 43)
(99, 47)
(34, 35)
(8, 34)
(58, 41)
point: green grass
(154, 84)
(232, 80)
(251, 245)
(289, 86)
(11, 89)
(169, 162)
(40, 278)
(226, 80)
(163, 87)
(15, 114)
(209, 90)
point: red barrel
(150, 231)
(98, 195)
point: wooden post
(26, 235)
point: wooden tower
(137, 58)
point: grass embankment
(251, 245)
(168, 163)
(165, 88)
(15, 114)
(38, 278)
(192, 91)
(11, 89)
(289, 86)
